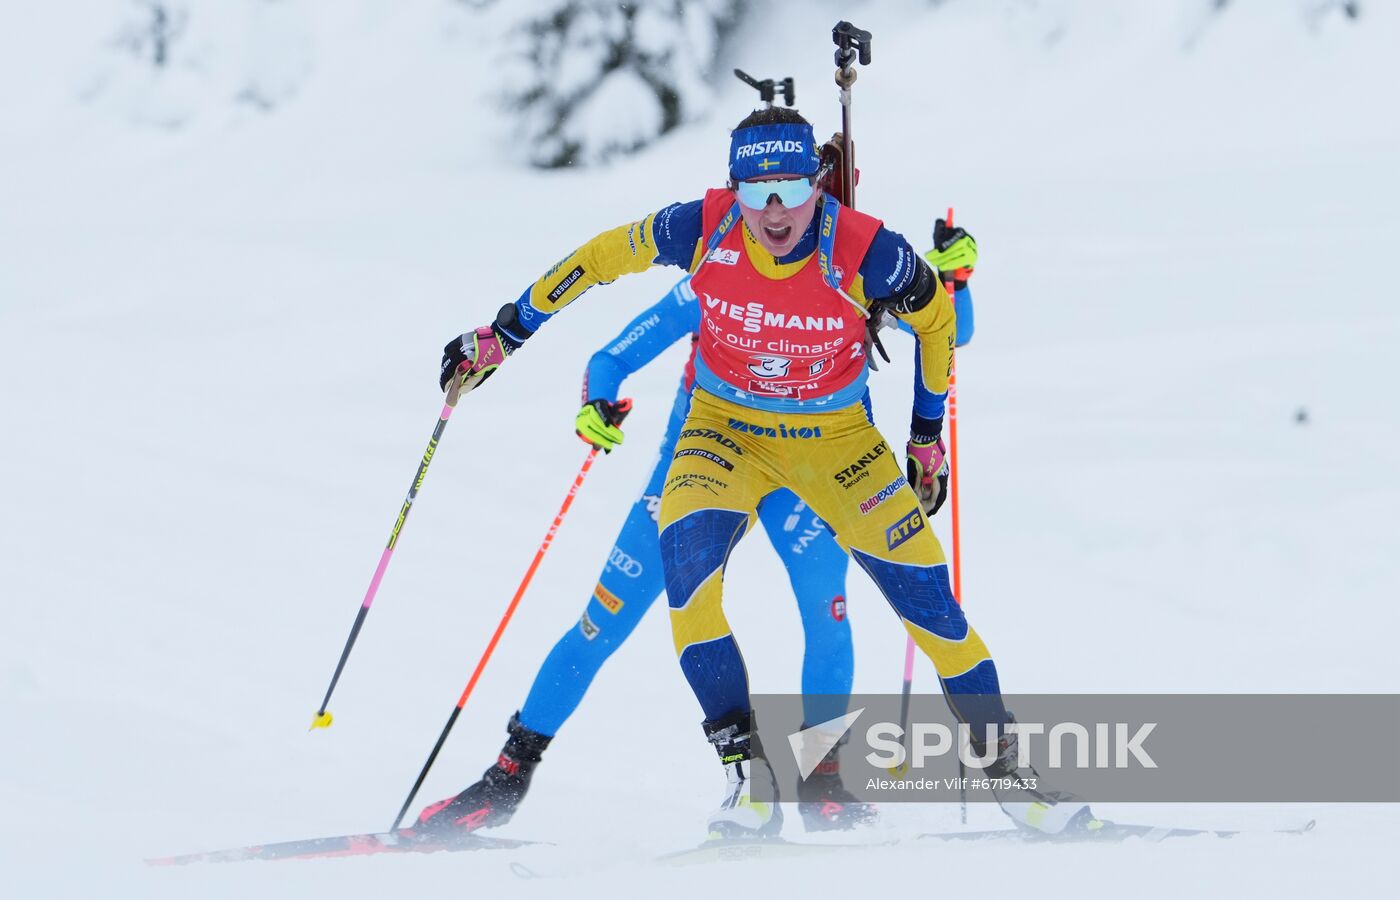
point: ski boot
(493, 799)
(824, 802)
(739, 815)
(1037, 808)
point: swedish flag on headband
(783, 149)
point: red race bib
(793, 337)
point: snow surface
(218, 352)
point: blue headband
(773, 150)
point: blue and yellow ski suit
(740, 442)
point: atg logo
(904, 529)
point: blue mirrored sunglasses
(790, 191)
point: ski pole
(323, 718)
(495, 638)
(957, 566)
(953, 444)
(948, 285)
(903, 767)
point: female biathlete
(632, 580)
(785, 277)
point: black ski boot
(739, 815)
(493, 799)
(823, 800)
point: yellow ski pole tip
(322, 720)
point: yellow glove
(597, 423)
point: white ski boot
(739, 815)
(1028, 802)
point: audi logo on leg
(624, 563)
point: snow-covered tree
(151, 29)
(595, 78)
(171, 62)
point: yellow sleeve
(936, 326)
(624, 250)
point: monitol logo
(783, 430)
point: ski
(402, 841)
(741, 849)
(1102, 831)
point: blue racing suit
(632, 578)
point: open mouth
(777, 233)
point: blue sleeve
(889, 265)
(676, 230)
(962, 306)
(671, 318)
(926, 403)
